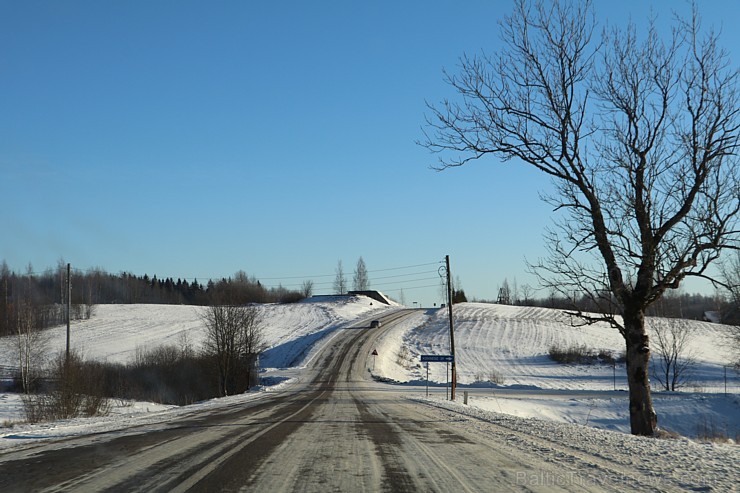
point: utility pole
(6, 307)
(452, 332)
(69, 306)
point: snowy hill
(115, 332)
(513, 343)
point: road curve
(340, 432)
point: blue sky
(194, 139)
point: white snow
(116, 332)
(511, 342)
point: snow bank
(606, 457)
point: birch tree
(340, 281)
(360, 280)
(31, 344)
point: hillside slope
(513, 342)
(116, 332)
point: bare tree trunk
(641, 138)
(643, 419)
(25, 346)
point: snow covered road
(344, 432)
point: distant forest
(673, 304)
(40, 299)
(691, 306)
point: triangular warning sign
(375, 352)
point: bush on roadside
(164, 374)
(74, 388)
(582, 355)
(492, 377)
(708, 430)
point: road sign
(437, 358)
(375, 352)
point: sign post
(374, 353)
(427, 379)
(439, 358)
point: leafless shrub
(664, 434)
(496, 377)
(403, 357)
(492, 377)
(76, 388)
(574, 354)
(672, 361)
(708, 430)
(164, 374)
(580, 354)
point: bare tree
(31, 340)
(527, 292)
(504, 293)
(672, 360)
(640, 138)
(360, 282)
(234, 338)
(31, 343)
(307, 288)
(340, 282)
(730, 271)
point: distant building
(376, 295)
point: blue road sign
(437, 358)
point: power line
(373, 281)
(407, 267)
(334, 274)
(414, 287)
(406, 281)
(404, 275)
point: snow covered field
(116, 332)
(511, 342)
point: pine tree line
(42, 297)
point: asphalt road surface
(338, 432)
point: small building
(376, 295)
